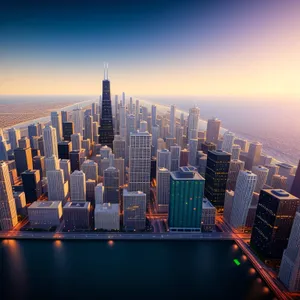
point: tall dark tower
(106, 131)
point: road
(116, 236)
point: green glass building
(185, 204)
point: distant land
(275, 124)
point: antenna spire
(107, 71)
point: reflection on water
(160, 269)
(16, 266)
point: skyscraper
(236, 150)
(50, 141)
(32, 131)
(24, 142)
(163, 190)
(32, 185)
(193, 120)
(273, 170)
(111, 185)
(65, 165)
(163, 159)
(228, 140)
(137, 113)
(88, 128)
(119, 146)
(76, 140)
(273, 222)
(245, 186)
(140, 162)
(235, 167)
(3, 149)
(134, 207)
(289, 272)
(23, 158)
(90, 168)
(51, 163)
(77, 186)
(172, 121)
(8, 211)
(254, 153)
(193, 145)
(75, 160)
(216, 176)
(68, 130)
(262, 175)
(106, 131)
(64, 149)
(13, 136)
(175, 158)
(295, 190)
(57, 124)
(213, 130)
(186, 196)
(153, 115)
(77, 116)
(57, 187)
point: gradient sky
(226, 48)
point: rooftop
(206, 204)
(186, 173)
(45, 204)
(281, 194)
(83, 204)
(107, 207)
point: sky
(223, 48)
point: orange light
(111, 243)
(235, 247)
(244, 257)
(252, 271)
(57, 243)
(266, 290)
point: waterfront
(127, 269)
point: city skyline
(232, 49)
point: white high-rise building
(228, 141)
(88, 128)
(76, 139)
(77, 115)
(65, 165)
(140, 162)
(289, 272)
(173, 121)
(52, 163)
(57, 124)
(262, 175)
(78, 186)
(163, 190)
(131, 127)
(8, 210)
(245, 186)
(193, 145)
(193, 120)
(57, 187)
(90, 168)
(163, 159)
(99, 194)
(14, 136)
(175, 158)
(107, 216)
(50, 141)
